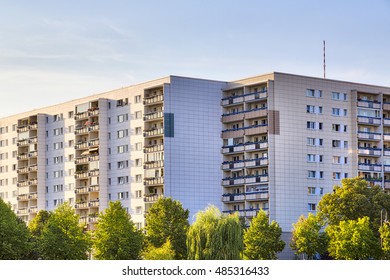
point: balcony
(233, 197)
(241, 147)
(254, 96)
(94, 203)
(247, 130)
(370, 167)
(386, 168)
(386, 137)
(22, 183)
(81, 190)
(232, 100)
(244, 163)
(93, 142)
(93, 219)
(33, 140)
(80, 160)
(239, 164)
(152, 100)
(33, 154)
(22, 197)
(94, 188)
(81, 116)
(256, 179)
(249, 179)
(153, 116)
(153, 164)
(150, 198)
(153, 148)
(152, 181)
(22, 128)
(33, 195)
(94, 111)
(81, 130)
(256, 162)
(364, 135)
(368, 120)
(22, 211)
(24, 142)
(81, 145)
(33, 168)
(248, 213)
(81, 205)
(369, 151)
(81, 174)
(94, 127)
(387, 184)
(386, 122)
(22, 170)
(83, 219)
(33, 181)
(154, 132)
(33, 126)
(386, 152)
(248, 114)
(369, 104)
(94, 173)
(22, 156)
(33, 209)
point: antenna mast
(324, 62)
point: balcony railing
(24, 142)
(33, 209)
(230, 100)
(369, 135)
(249, 179)
(370, 167)
(153, 116)
(249, 213)
(81, 205)
(154, 132)
(33, 195)
(153, 148)
(81, 190)
(22, 197)
(24, 169)
(239, 164)
(369, 151)
(369, 120)
(237, 116)
(153, 99)
(94, 203)
(94, 188)
(22, 211)
(248, 146)
(81, 116)
(152, 197)
(149, 181)
(153, 164)
(369, 104)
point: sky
(53, 51)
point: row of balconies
(248, 114)
(248, 213)
(27, 210)
(22, 156)
(152, 197)
(27, 127)
(373, 167)
(25, 183)
(242, 180)
(153, 116)
(153, 132)
(245, 147)
(153, 164)
(27, 196)
(88, 219)
(87, 144)
(86, 129)
(86, 158)
(246, 130)
(28, 141)
(153, 99)
(153, 148)
(87, 204)
(241, 197)
(233, 100)
(86, 174)
(85, 115)
(247, 163)
(26, 169)
(151, 181)
(87, 189)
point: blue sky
(54, 51)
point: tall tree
(14, 235)
(167, 220)
(307, 237)
(262, 239)
(63, 238)
(384, 231)
(116, 237)
(36, 227)
(353, 240)
(354, 199)
(165, 252)
(214, 236)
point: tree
(214, 236)
(167, 220)
(307, 237)
(353, 240)
(354, 199)
(116, 237)
(384, 231)
(262, 239)
(62, 237)
(36, 226)
(165, 252)
(14, 235)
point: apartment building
(134, 144)
(275, 142)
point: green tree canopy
(116, 237)
(36, 227)
(384, 231)
(167, 220)
(165, 252)
(14, 235)
(354, 199)
(353, 240)
(214, 236)
(307, 237)
(63, 238)
(262, 239)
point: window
(339, 112)
(311, 125)
(138, 178)
(337, 160)
(58, 202)
(70, 114)
(311, 141)
(138, 210)
(123, 180)
(138, 130)
(70, 157)
(138, 146)
(311, 174)
(138, 162)
(336, 143)
(71, 143)
(311, 190)
(336, 175)
(123, 118)
(57, 117)
(58, 188)
(123, 149)
(310, 109)
(123, 133)
(58, 145)
(311, 158)
(123, 164)
(138, 194)
(336, 127)
(70, 128)
(137, 99)
(58, 159)
(58, 131)
(138, 115)
(58, 174)
(311, 206)
(123, 195)
(339, 96)
(310, 93)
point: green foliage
(116, 237)
(307, 237)
(165, 252)
(36, 227)
(62, 238)
(353, 240)
(14, 235)
(262, 240)
(167, 220)
(384, 231)
(354, 199)
(214, 236)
